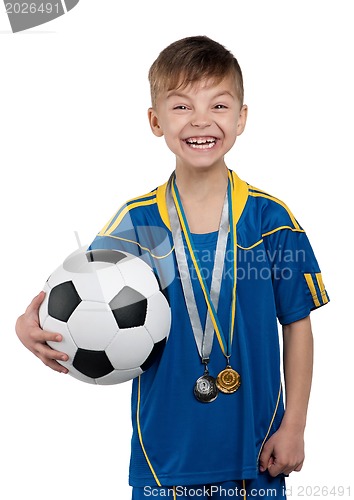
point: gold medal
(228, 380)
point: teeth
(205, 145)
(199, 140)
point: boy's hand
(283, 453)
(34, 338)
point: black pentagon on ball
(129, 308)
(94, 364)
(63, 300)
(154, 355)
(111, 256)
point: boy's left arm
(284, 451)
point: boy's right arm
(34, 338)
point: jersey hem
(195, 478)
(286, 319)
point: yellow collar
(239, 192)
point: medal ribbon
(179, 221)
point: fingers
(50, 357)
(47, 354)
(279, 462)
(284, 467)
(39, 335)
(265, 459)
(44, 352)
(299, 467)
(275, 469)
(35, 339)
(36, 333)
(38, 338)
(54, 365)
(36, 302)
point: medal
(228, 380)
(205, 389)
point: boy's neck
(202, 194)
(198, 184)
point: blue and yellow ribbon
(224, 343)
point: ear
(154, 123)
(241, 123)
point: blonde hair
(190, 60)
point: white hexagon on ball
(92, 325)
(129, 348)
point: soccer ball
(111, 312)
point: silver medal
(205, 389)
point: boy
(208, 419)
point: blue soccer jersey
(176, 439)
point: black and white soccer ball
(111, 312)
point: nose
(200, 120)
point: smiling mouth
(201, 142)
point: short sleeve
(297, 280)
(127, 233)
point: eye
(220, 106)
(181, 107)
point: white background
(75, 144)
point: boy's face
(200, 123)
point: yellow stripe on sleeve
(312, 288)
(280, 228)
(142, 196)
(321, 286)
(106, 226)
(123, 214)
(292, 218)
